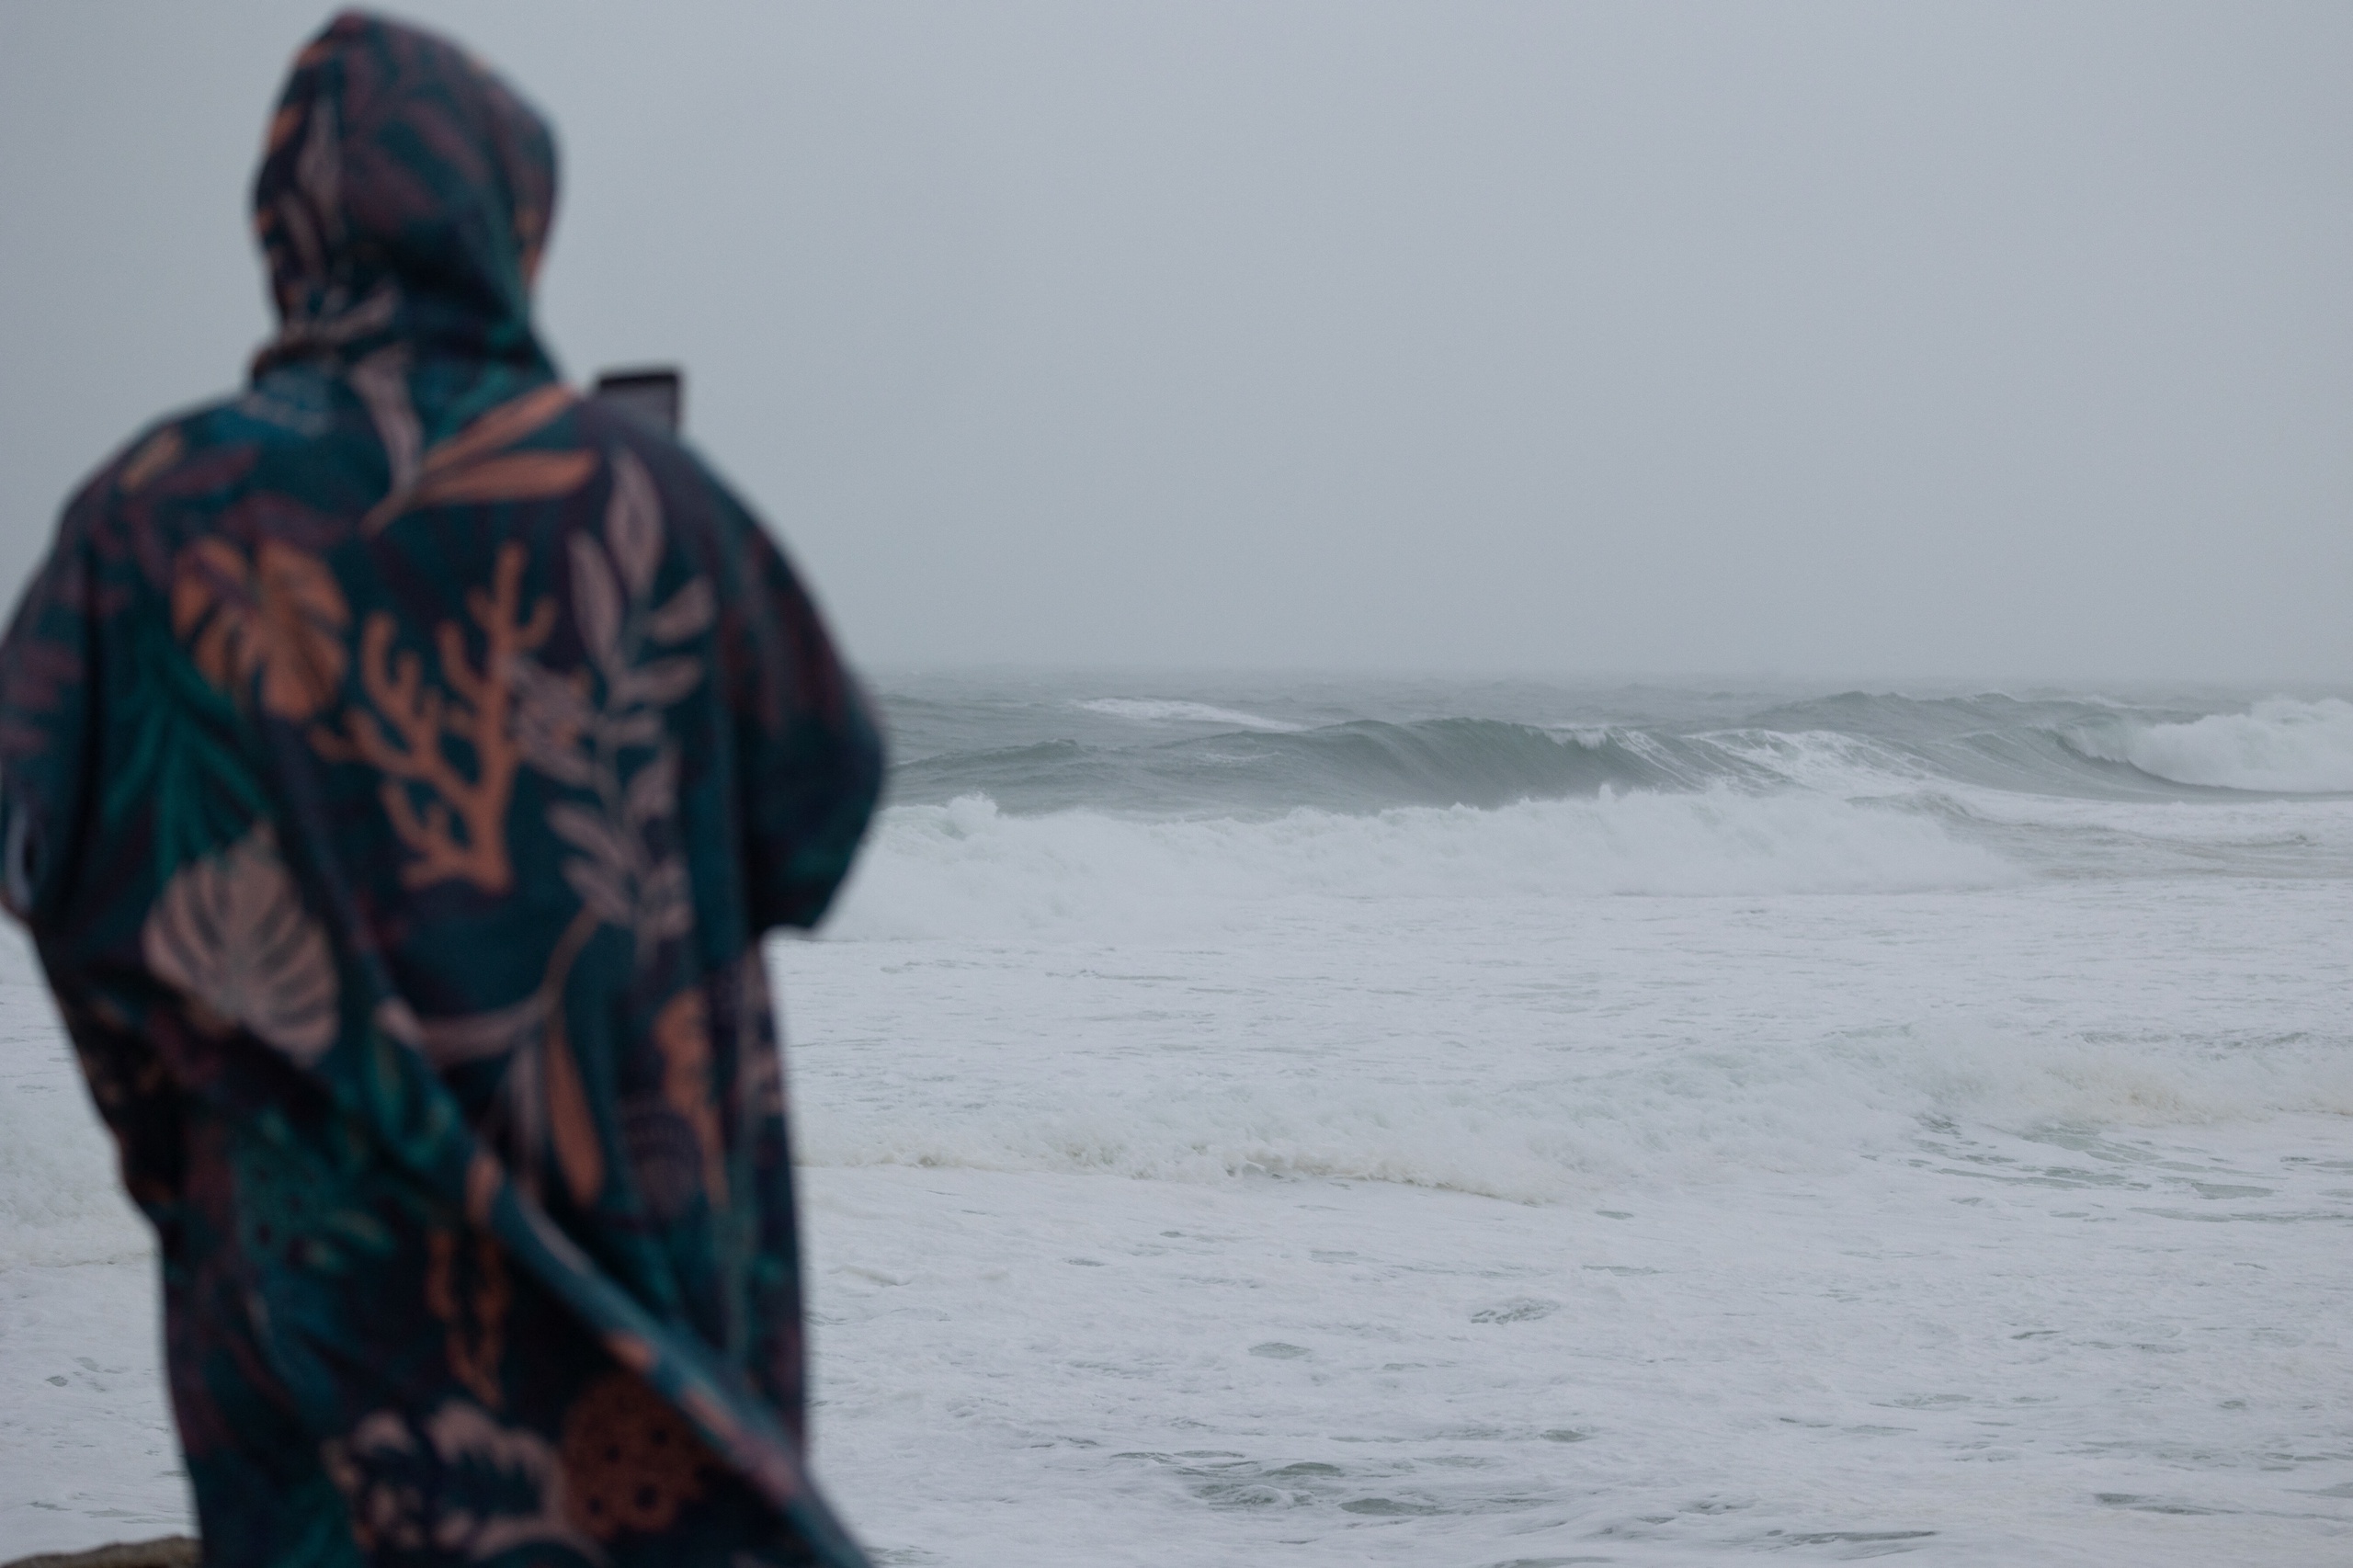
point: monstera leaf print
(280, 616)
(231, 932)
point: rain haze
(1821, 340)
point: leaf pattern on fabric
(633, 524)
(469, 467)
(280, 616)
(620, 874)
(470, 1298)
(682, 1034)
(470, 1036)
(690, 613)
(517, 476)
(465, 1486)
(154, 455)
(231, 932)
(572, 1124)
(382, 380)
(460, 832)
(758, 1091)
(184, 764)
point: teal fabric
(399, 765)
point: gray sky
(1836, 339)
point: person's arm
(809, 752)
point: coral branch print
(460, 834)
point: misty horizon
(1836, 344)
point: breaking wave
(969, 868)
(1168, 757)
(1149, 710)
(2280, 745)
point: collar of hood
(403, 198)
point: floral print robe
(399, 765)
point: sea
(1282, 1119)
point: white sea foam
(61, 1198)
(1158, 711)
(2280, 743)
(1959, 1171)
(967, 868)
(1672, 1119)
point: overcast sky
(1809, 339)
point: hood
(405, 194)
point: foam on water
(2280, 745)
(1150, 710)
(1669, 1119)
(968, 869)
(61, 1199)
(1921, 1122)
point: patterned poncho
(400, 764)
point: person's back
(399, 765)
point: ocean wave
(968, 868)
(1676, 1119)
(1175, 757)
(1161, 711)
(1361, 766)
(2280, 745)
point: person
(400, 764)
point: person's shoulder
(132, 468)
(202, 450)
(695, 497)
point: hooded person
(399, 765)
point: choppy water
(1254, 747)
(1319, 1121)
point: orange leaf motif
(280, 617)
(231, 932)
(464, 469)
(517, 476)
(682, 1033)
(162, 450)
(473, 1321)
(579, 1154)
(501, 426)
